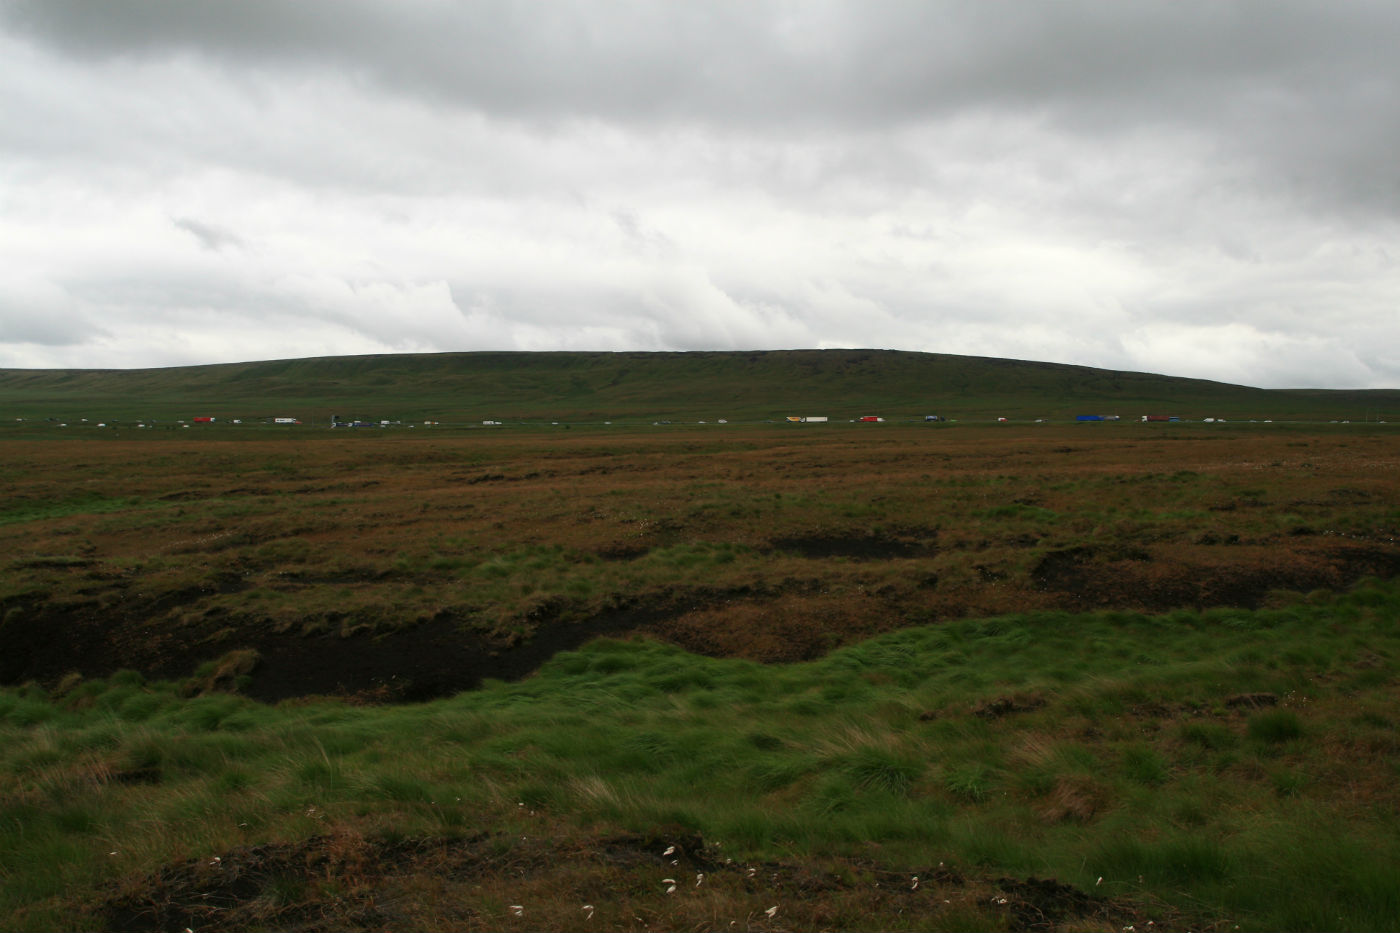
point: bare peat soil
(414, 565)
(655, 881)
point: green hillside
(756, 385)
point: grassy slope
(736, 385)
(1111, 751)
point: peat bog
(413, 567)
(900, 676)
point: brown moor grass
(415, 564)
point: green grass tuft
(1275, 726)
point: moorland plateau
(898, 675)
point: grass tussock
(1142, 784)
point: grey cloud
(209, 236)
(1306, 91)
(643, 238)
(849, 62)
(22, 325)
(953, 176)
(42, 314)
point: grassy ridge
(1226, 768)
(580, 386)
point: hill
(581, 386)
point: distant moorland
(756, 385)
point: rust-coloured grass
(410, 566)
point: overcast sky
(1206, 189)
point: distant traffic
(339, 423)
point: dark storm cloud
(1308, 91)
(721, 61)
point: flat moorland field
(899, 676)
